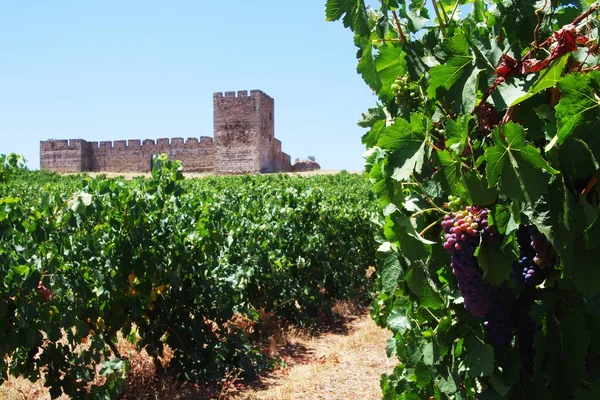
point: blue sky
(109, 70)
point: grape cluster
(463, 232)
(455, 203)
(536, 259)
(408, 97)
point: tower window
(270, 116)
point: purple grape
(537, 257)
(463, 231)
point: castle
(244, 142)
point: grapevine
(505, 285)
(168, 262)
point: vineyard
(169, 262)
(483, 152)
(474, 239)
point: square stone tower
(244, 130)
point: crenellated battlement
(240, 94)
(77, 144)
(242, 143)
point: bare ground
(345, 364)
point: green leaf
(457, 133)
(480, 358)
(547, 79)
(406, 141)
(20, 269)
(369, 118)
(448, 73)
(397, 321)
(577, 159)
(450, 174)
(353, 12)
(447, 383)
(477, 188)
(568, 340)
(391, 269)
(444, 76)
(578, 110)
(390, 64)
(509, 91)
(370, 138)
(495, 262)
(582, 266)
(366, 64)
(390, 347)
(516, 166)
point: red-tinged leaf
(508, 66)
(44, 291)
(487, 117)
(582, 40)
(533, 65)
(565, 41)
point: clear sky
(110, 70)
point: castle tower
(244, 133)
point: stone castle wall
(244, 143)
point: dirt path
(345, 364)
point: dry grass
(344, 364)
(344, 361)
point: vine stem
(423, 212)
(108, 342)
(424, 231)
(399, 27)
(442, 22)
(539, 22)
(433, 315)
(424, 193)
(454, 10)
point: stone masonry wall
(62, 155)
(136, 155)
(244, 143)
(125, 156)
(237, 127)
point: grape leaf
(568, 340)
(391, 269)
(477, 188)
(370, 138)
(547, 79)
(445, 75)
(516, 166)
(406, 141)
(450, 174)
(457, 133)
(495, 262)
(369, 118)
(366, 64)
(509, 91)
(397, 321)
(390, 64)
(352, 13)
(480, 358)
(579, 108)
